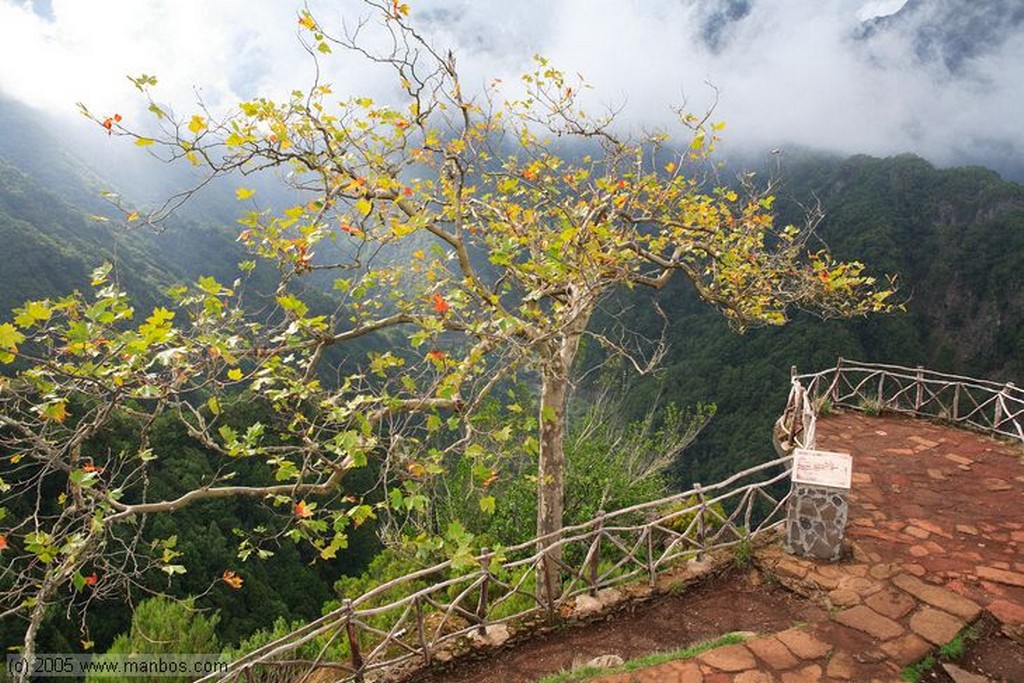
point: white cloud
(789, 71)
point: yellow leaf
(234, 374)
(58, 412)
(144, 142)
(244, 193)
(197, 124)
(364, 206)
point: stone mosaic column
(816, 522)
(818, 507)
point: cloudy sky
(943, 78)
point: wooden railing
(966, 402)
(404, 624)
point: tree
(519, 243)
(165, 627)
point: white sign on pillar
(822, 468)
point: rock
(961, 676)
(609, 597)
(587, 606)
(938, 597)
(729, 658)
(494, 636)
(604, 662)
(936, 626)
(867, 620)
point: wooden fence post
(956, 402)
(652, 571)
(700, 520)
(353, 641)
(834, 389)
(421, 631)
(919, 393)
(1000, 397)
(595, 555)
(481, 603)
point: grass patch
(954, 649)
(915, 672)
(871, 406)
(643, 662)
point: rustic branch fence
(406, 623)
(964, 401)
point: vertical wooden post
(919, 393)
(421, 631)
(748, 513)
(700, 520)
(834, 390)
(481, 603)
(956, 402)
(1000, 397)
(595, 555)
(881, 390)
(652, 570)
(353, 641)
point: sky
(941, 82)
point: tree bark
(555, 371)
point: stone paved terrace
(937, 537)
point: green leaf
(214, 405)
(487, 504)
(82, 479)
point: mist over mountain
(936, 78)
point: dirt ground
(734, 602)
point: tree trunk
(554, 393)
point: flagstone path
(937, 537)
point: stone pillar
(816, 521)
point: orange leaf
(3, 542)
(117, 118)
(440, 305)
(302, 510)
(92, 579)
(232, 579)
(435, 354)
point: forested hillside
(955, 237)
